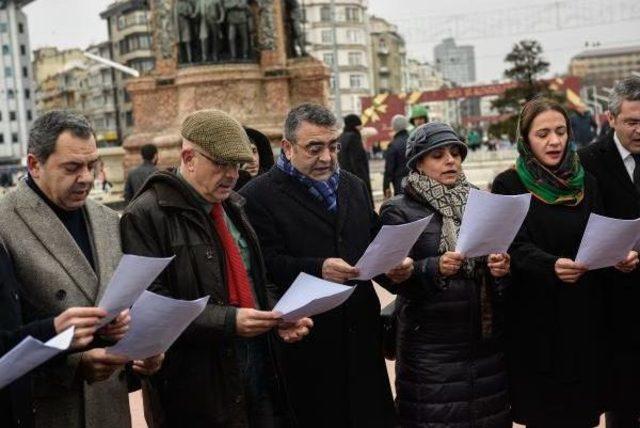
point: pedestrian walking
(450, 368)
(352, 155)
(395, 159)
(138, 175)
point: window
(6, 50)
(1, 138)
(12, 116)
(23, 50)
(122, 22)
(327, 36)
(27, 94)
(14, 137)
(8, 72)
(25, 72)
(20, 27)
(129, 119)
(325, 13)
(332, 81)
(3, 27)
(352, 14)
(29, 115)
(10, 94)
(356, 81)
(353, 36)
(355, 58)
(327, 58)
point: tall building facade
(48, 61)
(458, 65)
(421, 77)
(130, 38)
(602, 67)
(388, 56)
(353, 47)
(99, 96)
(16, 91)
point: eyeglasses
(316, 149)
(220, 163)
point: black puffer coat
(447, 373)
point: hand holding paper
(389, 248)
(133, 275)
(490, 222)
(156, 322)
(607, 241)
(309, 296)
(30, 353)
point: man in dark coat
(139, 174)
(395, 160)
(583, 126)
(615, 162)
(352, 155)
(15, 399)
(313, 217)
(221, 371)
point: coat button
(61, 294)
(16, 296)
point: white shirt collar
(624, 153)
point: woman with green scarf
(450, 370)
(554, 320)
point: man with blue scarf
(310, 216)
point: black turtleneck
(74, 221)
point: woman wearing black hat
(262, 158)
(449, 367)
(554, 306)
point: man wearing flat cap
(221, 371)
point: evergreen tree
(526, 68)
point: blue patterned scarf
(324, 191)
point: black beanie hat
(351, 121)
(428, 137)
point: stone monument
(246, 57)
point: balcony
(384, 70)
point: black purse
(389, 319)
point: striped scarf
(324, 191)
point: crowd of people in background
(528, 336)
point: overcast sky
(76, 23)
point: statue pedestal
(258, 98)
(258, 94)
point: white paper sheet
(607, 241)
(133, 275)
(30, 353)
(156, 322)
(491, 222)
(389, 248)
(309, 296)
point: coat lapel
(50, 231)
(301, 195)
(102, 245)
(614, 163)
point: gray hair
(308, 112)
(627, 89)
(47, 128)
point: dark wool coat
(199, 384)
(553, 340)
(622, 294)
(353, 157)
(336, 376)
(447, 374)
(395, 162)
(15, 399)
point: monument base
(256, 96)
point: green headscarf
(562, 186)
